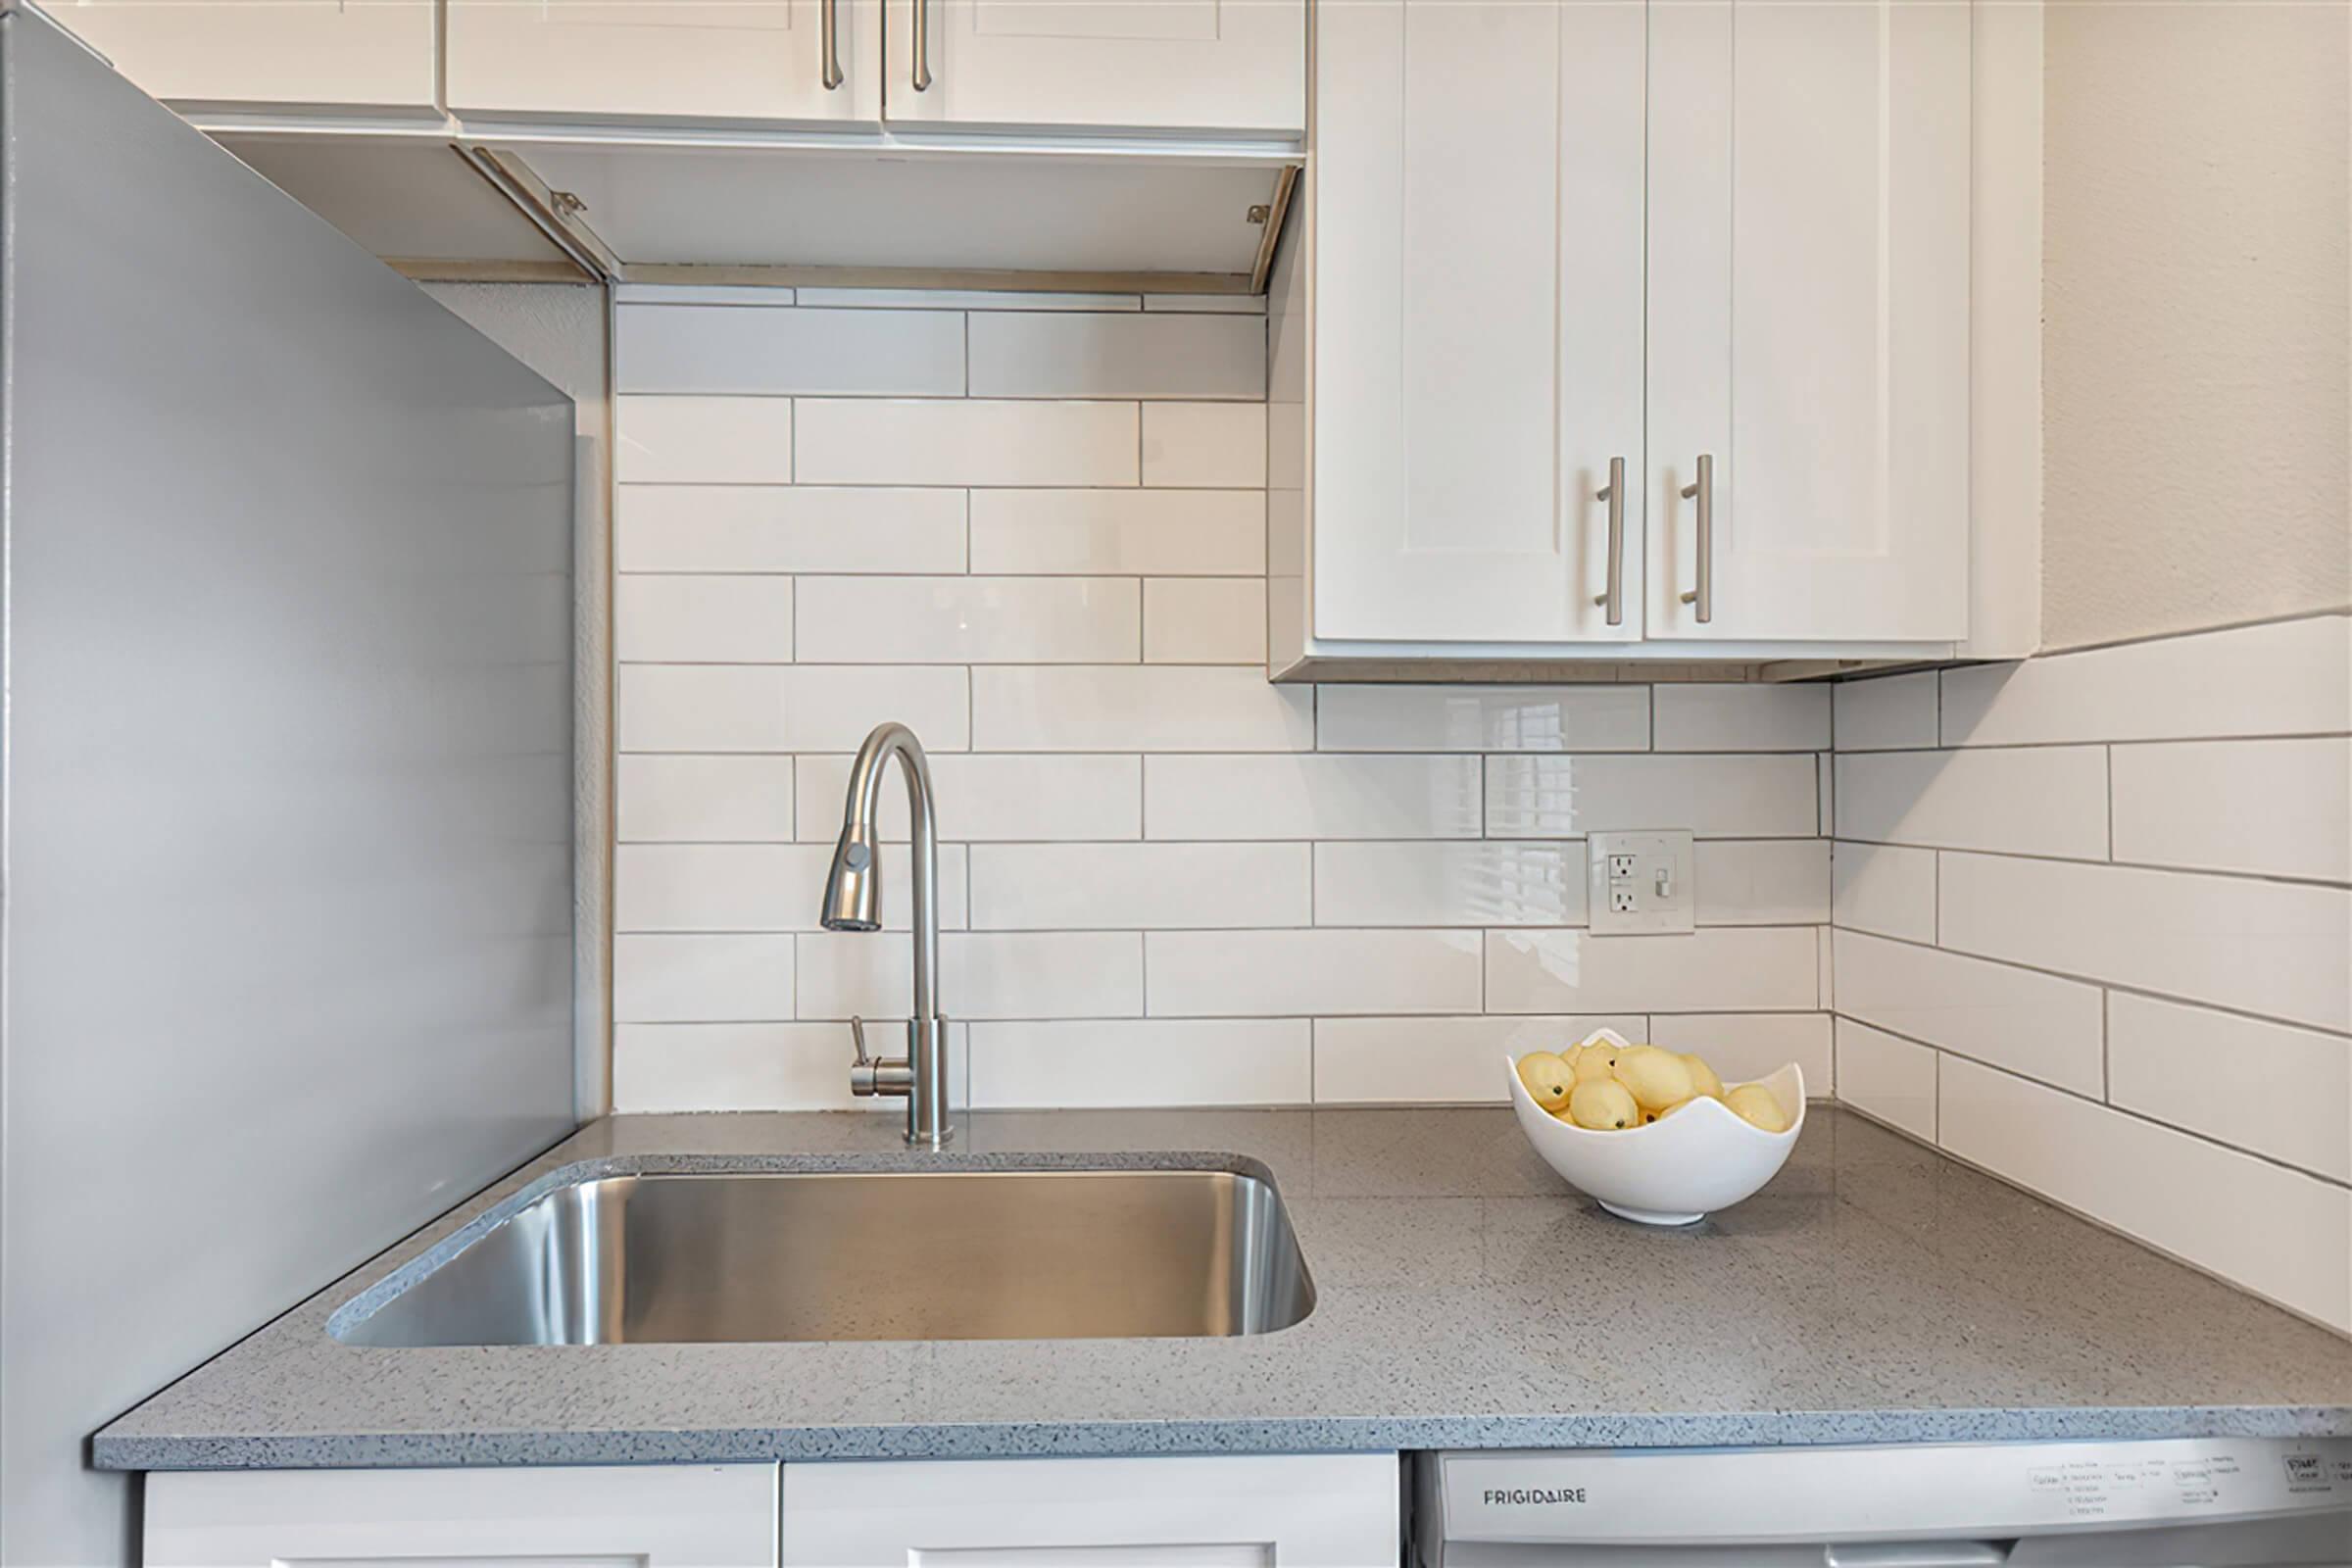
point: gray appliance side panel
(287, 859)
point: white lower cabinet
(1221, 1511)
(652, 1516)
(1217, 1511)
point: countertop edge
(1333, 1435)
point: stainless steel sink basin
(950, 1255)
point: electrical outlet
(1640, 884)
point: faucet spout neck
(853, 902)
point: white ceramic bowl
(1670, 1172)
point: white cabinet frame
(1210, 1511)
(652, 1516)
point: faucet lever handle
(857, 1041)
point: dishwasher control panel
(1899, 1493)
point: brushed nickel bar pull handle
(1703, 492)
(922, 46)
(1614, 494)
(831, 44)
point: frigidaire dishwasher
(2193, 1503)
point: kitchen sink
(715, 1257)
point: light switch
(1640, 884)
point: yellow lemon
(1546, 1078)
(1595, 1060)
(1703, 1077)
(1603, 1104)
(1677, 1105)
(1656, 1078)
(1755, 1106)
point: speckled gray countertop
(1874, 1291)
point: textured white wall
(558, 329)
(2199, 326)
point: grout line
(2059, 1088)
(2272, 877)
(2116, 985)
(2107, 795)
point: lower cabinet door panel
(1217, 1511)
(652, 1516)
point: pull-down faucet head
(853, 885)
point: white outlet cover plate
(1653, 850)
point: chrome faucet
(854, 903)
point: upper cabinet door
(1477, 318)
(703, 61)
(1211, 66)
(1809, 317)
(320, 53)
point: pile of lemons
(1609, 1088)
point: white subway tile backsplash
(2290, 679)
(702, 977)
(1371, 1061)
(2037, 799)
(1712, 716)
(926, 442)
(2281, 1091)
(1762, 881)
(1717, 970)
(1712, 796)
(1142, 1061)
(1743, 1047)
(1484, 719)
(970, 620)
(709, 800)
(1239, 974)
(985, 974)
(1310, 797)
(2272, 808)
(1216, 445)
(751, 1067)
(701, 707)
(2037, 1024)
(831, 707)
(1078, 355)
(787, 528)
(2279, 948)
(1032, 798)
(1473, 882)
(1173, 534)
(1883, 888)
(729, 348)
(1138, 708)
(1037, 527)
(1886, 713)
(2214, 1207)
(2213, 771)
(1891, 1079)
(1089, 887)
(759, 887)
(699, 440)
(689, 619)
(1205, 621)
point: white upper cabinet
(703, 61)
(1809, 182)
(1727, 241)
(294, 53)
(1202, 65)
(1476, 306)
